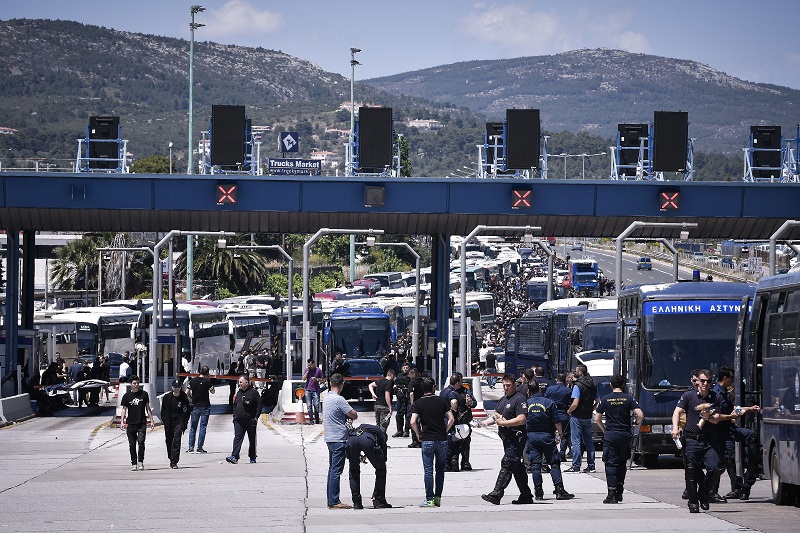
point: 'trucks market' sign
(294, 167)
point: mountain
(594, 90)
(55, 74)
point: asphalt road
(72, 473)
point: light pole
(415, 339)
(564, 156)
(290, 296)
(684, 226)
(462, 322)
(583, 162)
(170, 158)
(195, 9)
(306, 249)
(158, 296)
(353, 63)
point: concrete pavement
(73, 474)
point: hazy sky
(752, 40)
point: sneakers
(428, 504)
(380, 504)
(398, 434)
(134, 467)
(190, 450)
(173, 465)
(406, 435)
(232, 460)
(415, 445)
(466, 467)
(140, 465)
(201, 450)
(358, 505)
(588, 470)
(253, 461)
(437, 501)
(340, 505)
(572, 469)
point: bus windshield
(602, 336)
(360, 337)
(676, 344)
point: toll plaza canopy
(437, 206)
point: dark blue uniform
(702, 446)
(617, 407)
(540, 424)
(514, 439)
(371, 441)
(562, 396)
(729, 435)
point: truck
(584, 276)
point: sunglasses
(704, 380)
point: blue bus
(770, 370)
(358, 332)
(664, 332)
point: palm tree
(74, 262)
(238, 271)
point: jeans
(581, 430)
(336, 455)
(434, 454)
(312, 397)
(201, 414)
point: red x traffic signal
(521, 198)
(669, 200)
(227, 193)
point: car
(712, 260)
(577, 247)
(644, 263)
(358, 374)
(727, 262)
(699, 257)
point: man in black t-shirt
(701, 450)
(617, 434)
(199, 391)
(401, 383)
(430, 412)
(381, 391)
(415, 392)
(135, 412)
(510, 416)
(174, 415)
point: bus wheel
(782, 493)
(649, 460)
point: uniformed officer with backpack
(367, 443)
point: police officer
(730, 434)
(701, 448)
(543, 431)
(401, 389)
(617, 434)
(510, 417)
(370, 441)
(562, 397)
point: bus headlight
(656, 428)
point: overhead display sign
(227, 193)
(521, 198)
(294, 167)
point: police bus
(770, 362)
(664, 332)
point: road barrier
(15, 409)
